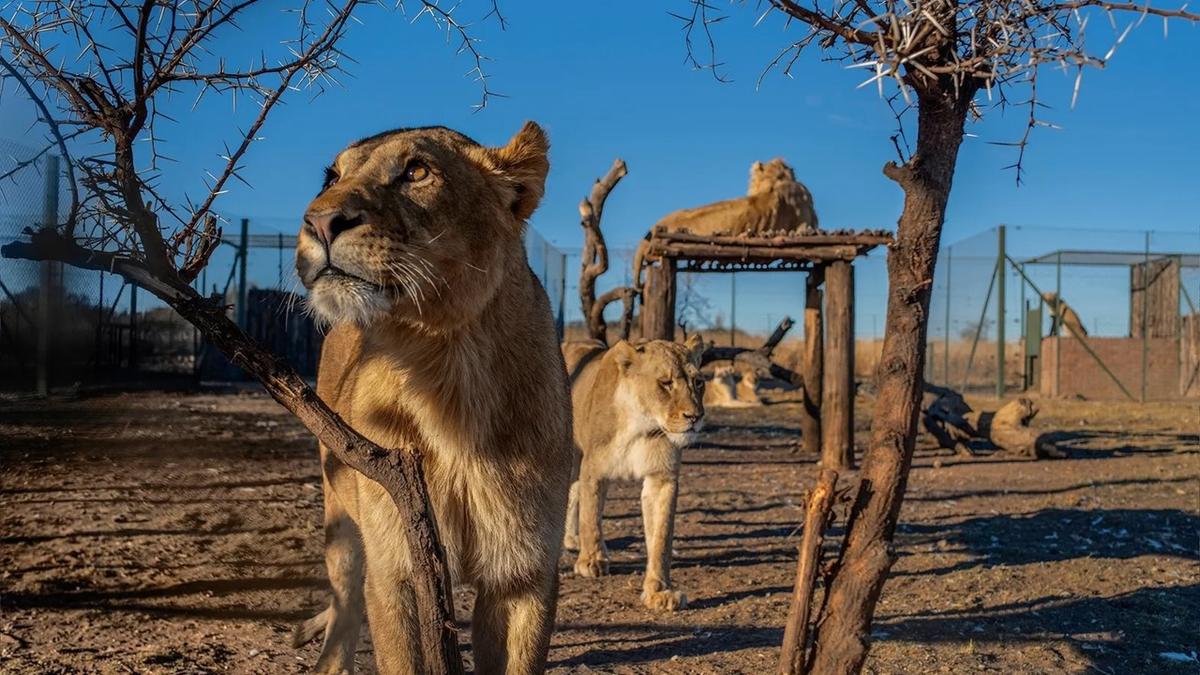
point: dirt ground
(172, 533)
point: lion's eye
(416, 172)
(665, 383)
(331, 177)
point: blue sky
(610, 80)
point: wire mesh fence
(1061, 311)
(61, 326)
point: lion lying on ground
(732, 388)
(442, 338)
(635, 409)
(775, 203)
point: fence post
(1146, 315)
(561, 322)
(133, 327)
(1056, 323)
(946, 349)
(243, 250)
(1000, 270)
(49, 283)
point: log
(816, 517)
(658, 301)
(777, 336)
(814, 363)
(837, 395)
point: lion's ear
(695, 347)
(524, 163)
(624, 354)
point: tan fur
(1069, 323)
(774, 203)
(1009, 429)
(442, 338)
(635, 408)
(730, 387)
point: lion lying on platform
(775, 203)
(635, 409)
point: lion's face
(662, 380)
(414, 225)
(765, 175)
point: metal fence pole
(733, 309)
(1145, 315)
(1000, 272)
(243, 250)
(1056, 323)
(49, 286)
(946, 350)
(133, 327)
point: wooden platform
(782, 253)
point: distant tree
(693, 307)
(101, 73)
(937, 63)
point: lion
(1066, 321)
(731, 388)
(775, 202)
(635, 408)
(1009, 429)
(443, 338)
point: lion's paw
(668, 600)
(593, 565)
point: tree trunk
(399, 470)
(837, 394)
(844, 624)
(814, 363)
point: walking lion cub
(635, 408)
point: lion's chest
(637, 455)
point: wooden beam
(658, 301)
(837, 400)
(857, 239)
(744, 253)
(814, 350)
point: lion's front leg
(593, 557)
(658, 518)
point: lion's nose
(329, 224)
(692, 417)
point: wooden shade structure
(829, 354)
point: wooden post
(795, 633)
(658, 301)
(814, 362)
(837, 395)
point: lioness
(635, 409)
(443, 338)
(1066, 321)
(731, 388)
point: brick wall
(1080, 375)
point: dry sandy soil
(168, 532)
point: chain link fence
(65, 327)
(1068, 312)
